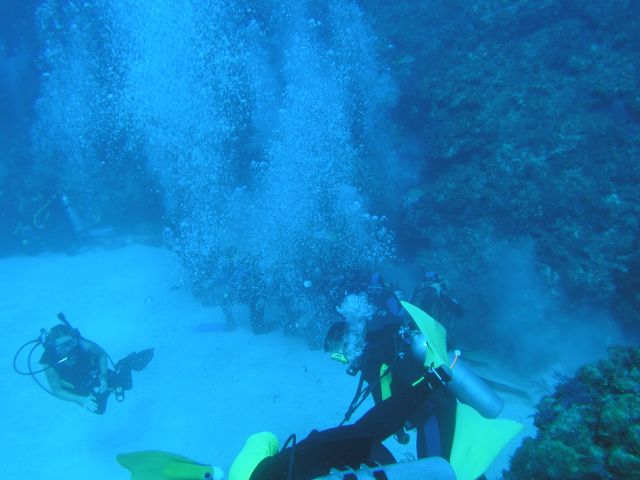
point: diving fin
(136, 361)
(257, 447)
(477, 441)
(434, 333)
(157, 465)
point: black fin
(139, 360)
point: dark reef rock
(589, 428)
(530, 117)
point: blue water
(284, 150)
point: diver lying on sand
(77, 368)
(349, 452)
(352, 452)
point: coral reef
(530, 121)
(589, 428)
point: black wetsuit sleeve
(388, 416)
(380, 348)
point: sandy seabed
(204, 392)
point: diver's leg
(350, 445)
(231, 323)
(318, 453)
(256, 315)
(435, 425)
(428, 439)
(446, 416)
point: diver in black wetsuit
(77, 369)
(388, 368)
(351, 452)
(350, 445)
(434, 297)
(387, 307)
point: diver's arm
(60, 392)
(388, 416)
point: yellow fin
(434, 333)
(158, 465)
(478, 441)
(257, 447)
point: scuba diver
(356, 451)
(56, 224)
(390, 362)
(433, 296)
(251, 291)
(388, 310)
(357, 447)
(385, 319)
(77, 369)
(348, 447)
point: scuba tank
(472, 390)
(433, 468)
(466, 385)
(71, 215)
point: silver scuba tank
(433, 468)
(472, 390)
(72, 215)
(467, 386)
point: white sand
(201, 396)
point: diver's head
(62, 339)
(376, 284)
(339, 341)
(431, 277)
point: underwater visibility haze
(219, 180)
